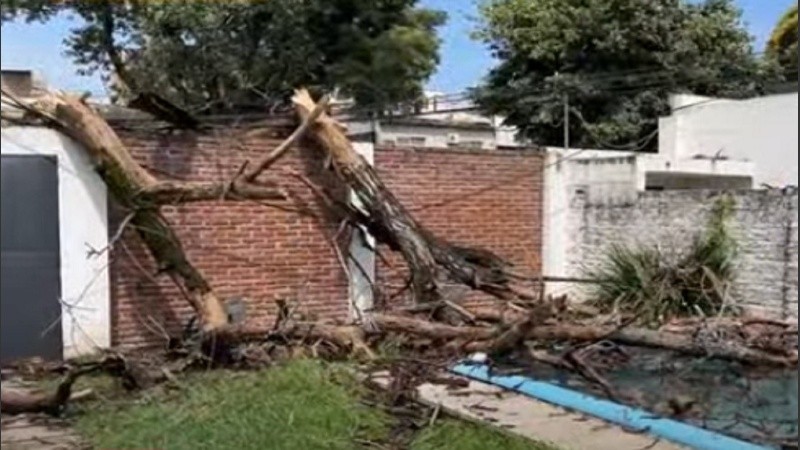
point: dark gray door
(30, 323)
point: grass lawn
(302, 405)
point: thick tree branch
(485, 338)
(432, 261)
(148, 102)
(269, 159)
(126, 181)
(168, 192)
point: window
(466, 144)
(415, 141)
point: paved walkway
(33, 431)
(39, 433)
(537, 420)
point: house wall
(82, 215)
(765, 226)
(260, 253)
(435, 136)
(762, 130)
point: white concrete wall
(595, 173)
(616, 177)
(435, 136)
(764, 223)
(83, 219)
(762, 130)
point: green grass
(302, 405)
(453, 434)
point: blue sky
(463, 61)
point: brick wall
(246, 250)
(261, 253)
(491, 199)
(765, 226)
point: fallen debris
(431, 334)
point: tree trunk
(20, 401)
(431, 260)
(484, 338)
(681, 343)
(166, 249)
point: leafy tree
(211, 55)
(782, 44)
(616, 60)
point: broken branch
(275, 154)
(168, 192)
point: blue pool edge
(626, 416)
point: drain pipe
(631, 418)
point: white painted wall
(762, 130)
(83, 218)
(362, 264)
(615, 178)
(435, 136)
(597, 173)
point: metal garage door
(29, 289)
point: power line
(602, 83)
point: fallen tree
(433, 263)
(19, 400)
(460, 339)
(142, 195)
(473, 339)
(431, 260)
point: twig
(655, 442)
(460, 310)
(229, 184)
(117, 235)
(435, 414)
(586, 371)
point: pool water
(756, 405)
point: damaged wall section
(764, 223)
(259, 253)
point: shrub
(644, 281)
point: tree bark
(169, 192)
(483, 338)
(431, 260)
(20, 401)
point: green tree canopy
(782, 43)
(212, 55)
(617, 60)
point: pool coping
(626, 416)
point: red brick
(262, 253)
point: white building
(705, 144)
(761, 130)
(440, 121)
(55, 291)
(617, 177)
(456, 130)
